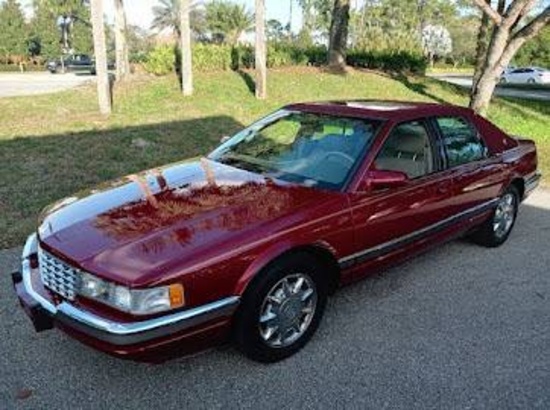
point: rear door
(474, 172)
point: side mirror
(381, 179)
(224, 139)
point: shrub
(161, 60)
(387, 61)
(212, 57)
(317, 55)
(15, 67)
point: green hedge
(4, 68)
(209, 57)
(399, 61)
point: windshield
(311, 149)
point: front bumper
(108, 333)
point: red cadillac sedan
(247, 243)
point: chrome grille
(58, 276)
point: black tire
(486, 235)
(246, 330)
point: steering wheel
(338, 154)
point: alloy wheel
(287, 310)
(505, 214)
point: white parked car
(527, 75)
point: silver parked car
(527, 75)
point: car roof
(380, 109)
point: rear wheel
(531, 81)
(496, 229)
(282, 308)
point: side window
(461, 141)
(407, 149)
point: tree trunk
(260, 53)
(122, 62)
(186, 53)
(504, 44)
(290, 20)
(483, 90)
(481, 49)
(338, 35)
(102, 76)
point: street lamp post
(64, 24)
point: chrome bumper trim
(125, 333)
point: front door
(389, 220)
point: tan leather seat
(407, 150)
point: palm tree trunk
(102, 76)
(186, 54)
(338, 36)
(122, 63)
(260, 54)
(290, 20)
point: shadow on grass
(248, 80)
(334, 70)
(421, 88)
(37, 171)
(522, 106)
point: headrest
(411, 139)
(411, 143)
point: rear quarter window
(461, 141)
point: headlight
(135, 301)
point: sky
(138, 12)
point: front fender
(273, 252)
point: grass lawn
(54, 145)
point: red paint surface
(213, 227)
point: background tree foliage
(227, 21)
(44, 31)
(375, 26)
(13, 30)
(536, 51)
(166, 16)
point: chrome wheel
(504, 215)
(287, 310)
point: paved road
(466, 81)
(460, 327)
(15, 84)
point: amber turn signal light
(177, 298)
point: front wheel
(281, 309)
(496, 229)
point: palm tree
(121, 45)
(100, 51)
(167, 16)
(186, 55)
(228, 21)
(261, 54)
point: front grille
(58, 276)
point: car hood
(136, 229)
